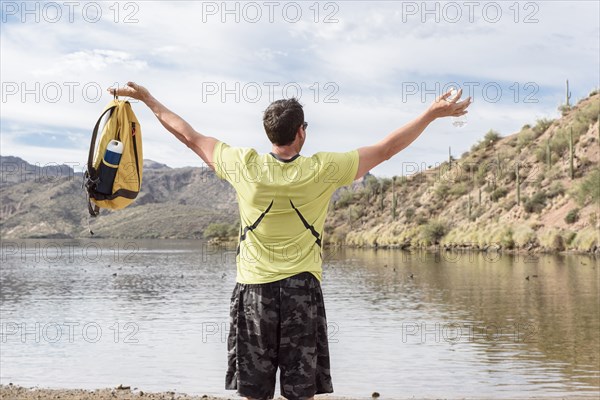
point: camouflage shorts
(279, 324)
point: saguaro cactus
(518, 178)
(568, 104)
(548, 154)
(449, 157)
(469, 205)
(394, 200)
(571, 151)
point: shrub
(421, 219)
(442, 190)
(570, 237)
(541, 126)
(507, 241)
(458, 189)
(508, 205)
(593, 219)
(409, 213)
(559, 142)
(536, 203)
(564, 109)
(498, 193)
(524, 138)
(433, 231)
(572, 216)
(491, 137)
(386, 183)
(219, 230)
(589, 188)
(558, 242)
(589, 113)
(345, 198)
(556, 189)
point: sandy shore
(14, 392)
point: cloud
(363, 60)
(95, 60)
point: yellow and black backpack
(114, 169)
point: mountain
(16, 170)
(173, 203)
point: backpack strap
(94, 136)
(135, 153)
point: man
(277, 313)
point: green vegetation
(588, 189)
(433, 231)
(220, 230)
(409, 213)
(542, 126)
(442, 190)
(498, 193)
(555, 189)
(346, 197)
(525, 137)
(536, 203)
(572, 216)
(490, 138)
(458, 189)
(507, 241)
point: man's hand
(442, 107)
(132, 90)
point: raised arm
(200, 144)
(399, 139)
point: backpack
(111, 183)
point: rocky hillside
(477, 201)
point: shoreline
(16, 392)
(231, 244)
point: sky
(360, 68)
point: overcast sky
(361, 69)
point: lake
(153, 315)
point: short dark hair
(282, 119)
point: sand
(15, 392)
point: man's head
(282, 119)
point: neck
(285, 152)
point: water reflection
(421, 324)
(547, 325)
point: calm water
(463, 326)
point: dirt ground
(14, 392)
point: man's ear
(300, 134)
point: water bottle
(108, 166)
(456, 121)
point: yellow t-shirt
(283, 205)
